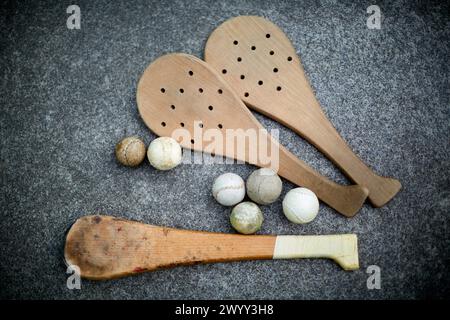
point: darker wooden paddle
(105, 247)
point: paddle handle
(346, 200)
(325, 137)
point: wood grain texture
(264, 69)
(178, 93)
(105, 247)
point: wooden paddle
(261, 65)
(180, 93)
(105, 247)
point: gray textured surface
(67, 96)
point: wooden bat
(105, 247)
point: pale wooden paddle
(259, 62)
(179, 91)
(105, 247)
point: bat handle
(343, 248)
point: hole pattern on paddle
(240, 56)
(262, 67)
(193, 101)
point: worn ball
(164, 153)
(130, 151)
(246, 218)
(300, 205)
(264, 186)
(228, 189)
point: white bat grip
(341, 248)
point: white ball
(264, 186)
(300, 205)
(246, 218)
(228, 189)
(164, 153)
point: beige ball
(300, 205)
(130, 151)
(164, 153)
(246, 218)
(264, 186)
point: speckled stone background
(67, 96)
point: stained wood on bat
(105, 247)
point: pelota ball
(164, 153)
(300, 205)
(228, 189)
(130, 151)
(264, 186)
(246, 218)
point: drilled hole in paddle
(235, 42)
(224, 71)
(182, 124)
(242, 77)
(239, 59)
(191, 73)
(219, 91)
(260, 82)
(220, 126)
(181, 90)
(172, 107)
(289, 58)
(192, 141)
(278, 88)
(246, 94)
(268, 35)
(163, 124)
(200, 125)
(200, 90)
(253, 48)
(210, 108)
(275, 70)
(271, 52)
(163, 90)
